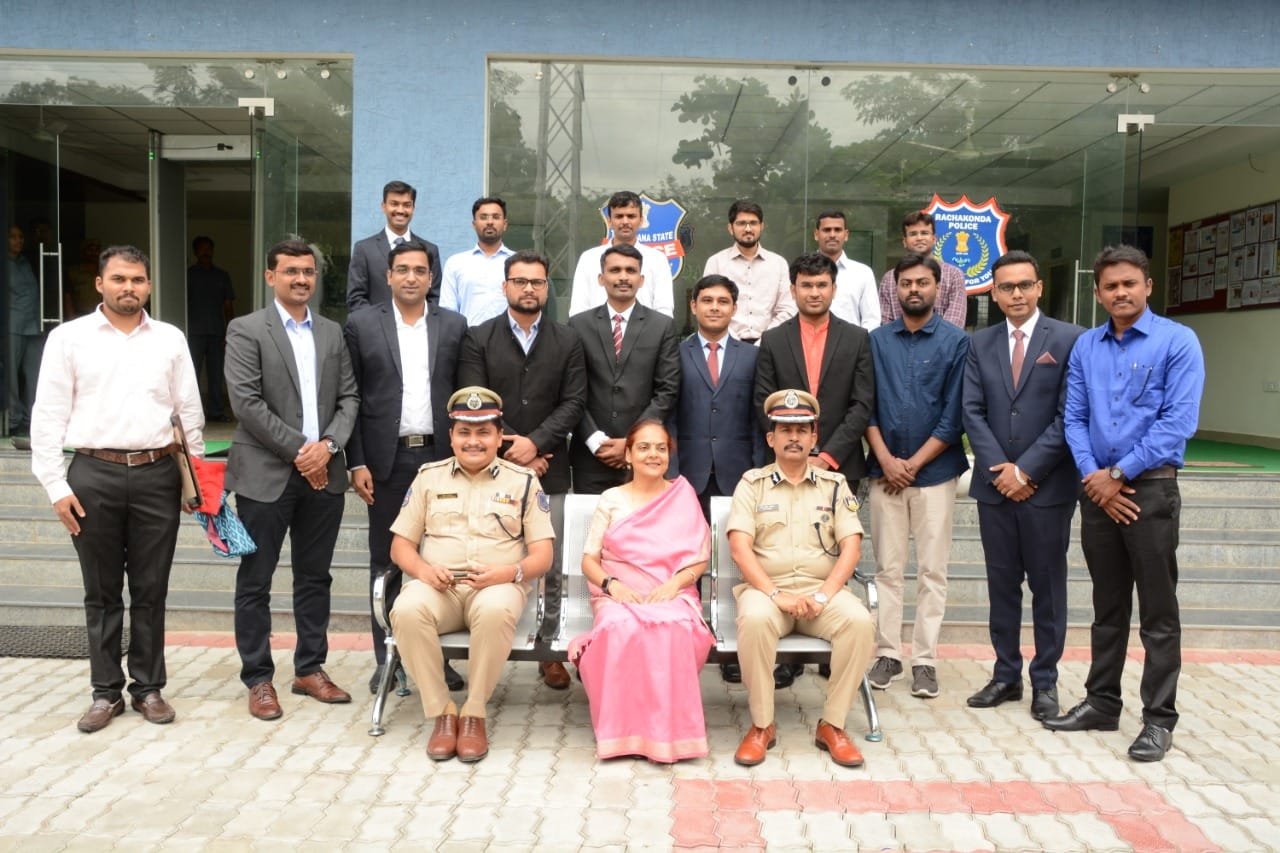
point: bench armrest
(380, 596)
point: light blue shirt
(472, 284)
(303, 341)
(525, 341)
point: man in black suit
(537, 367)
(405, 357)
(1015, 387)
(367, 274)
(292, 390)
(831, 359)
(633, 371)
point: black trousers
(388, 497)
(312, 519)
(1120, 557)
(1022, 540)
(129, 529)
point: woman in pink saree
(646, 548)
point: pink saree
(640, 662)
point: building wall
(1240, 346)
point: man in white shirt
(473, 279)
(762, 277)
(626, 218)
(855, 300)
(109, 383)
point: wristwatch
(821, 598)
(1017, 475)
(519, 573)
(1116, 473)
(332, 446)
(604, 586)
(774, 594)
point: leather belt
(748, 340)
(417, 440)
(132, 458)
(1164, 472)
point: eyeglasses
(292, 272)
(1010, 287)
(421, 272)
(522, 283)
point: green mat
(1220, 457)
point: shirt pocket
(1146, 383)
(501, 521)
(446, 515)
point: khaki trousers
(422, 613)
(925, 515)
(844, 623)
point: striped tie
(617, 336)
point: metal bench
(793, 648)
(455, 644)
(576, 616)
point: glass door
(274, 181)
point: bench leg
(384, 687)
(873, 717)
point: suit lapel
(1039, 344)
(632, 330)
(694, 347)
(604, 326)
(797, 351)
(387, 320)
(433, 337)
(834, 333)
(275, 328)
(732, 353)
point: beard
(921, 309)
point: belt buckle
(414, 441)
(149, 457)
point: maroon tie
(1019, 353)
(617, 336)
(713, 363)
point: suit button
(613, 415)
(715, 411)
(1013, 412)
(617, 388)
(524, 402)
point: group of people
(462, 430)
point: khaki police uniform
(797, 556)
(466, 521)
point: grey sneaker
(924, 682)
(884, 671)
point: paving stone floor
(945, 777)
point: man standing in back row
(764, 286)
(626, 218)
(473, 280)
(1133, 399)
(367, 273)
(919, 237)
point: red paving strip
(1139, 815)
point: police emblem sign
(970, 237)
(659, 228)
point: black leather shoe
(1152, 744)
(995, 693)
(731, 672)
(784, 675)
(452, 679)
(1082, 718)
(1044, 703)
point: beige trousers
(422, 613)
(844, 623)
(923, 514)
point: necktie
(617, 336)
(713, 363)
(1019, 352)
(400, 240)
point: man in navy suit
(1015, 386)
(405, 357)
(716, 438)
(367, 273)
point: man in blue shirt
(916, 457)
(1133, 399)
(474, 279)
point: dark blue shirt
(919, 391)
(1133, 402)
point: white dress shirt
(104, 389)
(656, 293)
(856, 301)
(302, 340)
(415, 367)
(764, 289)
(472, 284)
(1028, 328)
(392, 236)
(599, 437)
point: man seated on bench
(795, 536)
(474, 531)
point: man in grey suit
(293, 392)
(1015, 388)
(367, 273)
(404, 354)
(633, 371)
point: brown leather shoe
(757, 742)
(153, 708)
(99, 715)
(554, 675)
(443, 743)
(263, 703)
(472, 743)
(836, 742)
(318, 686)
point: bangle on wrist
(519, 575)
(604, 585)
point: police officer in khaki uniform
(485, 525)
(794, 534)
